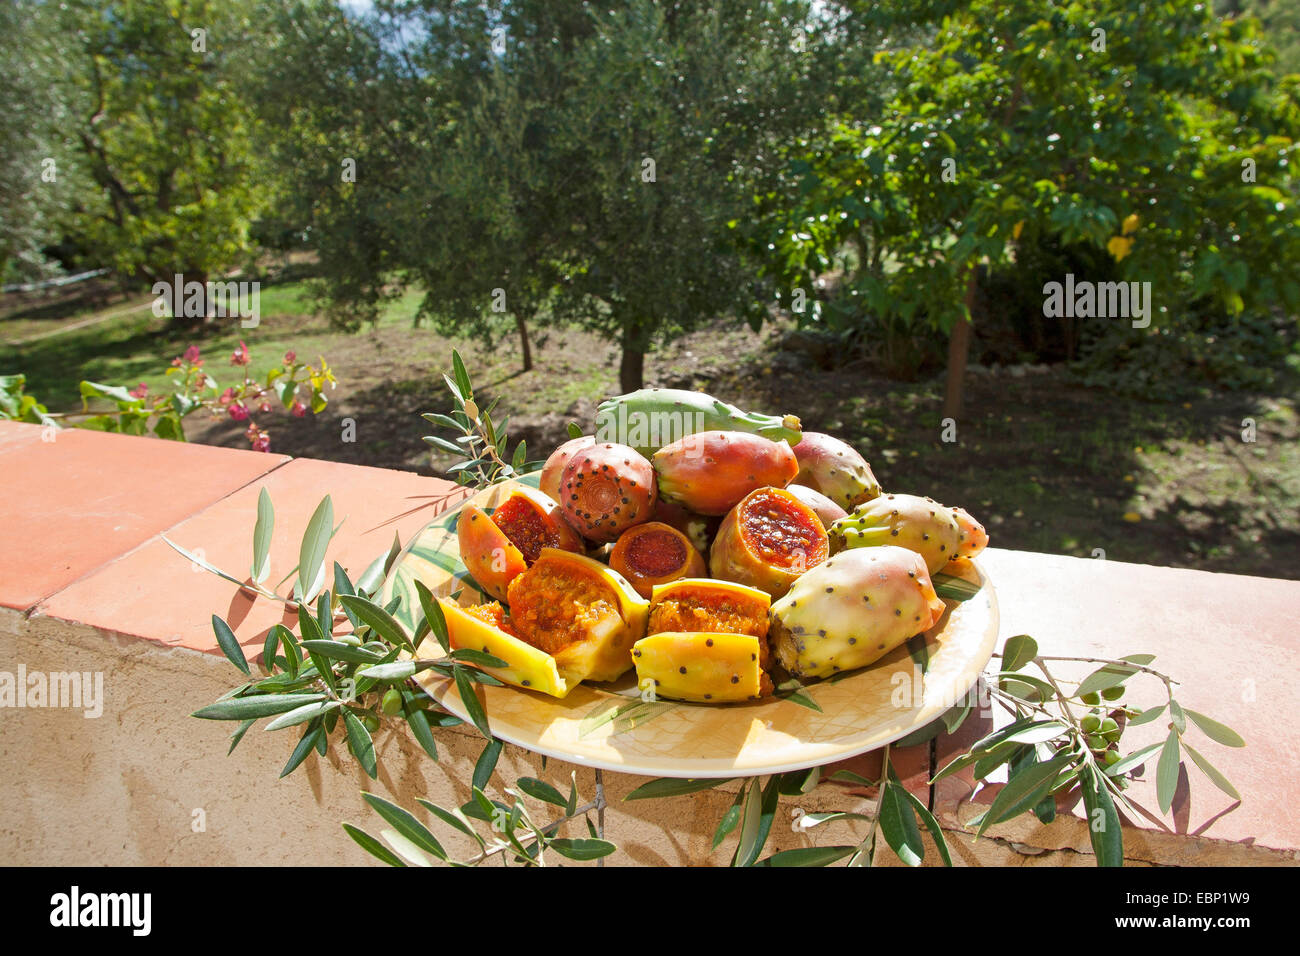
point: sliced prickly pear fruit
(655, 553)
(651, 418)
(579, 611)
(606, 489)
(707, 668)
(496, 547)
(852, 610)
(711, 471)
(526, 666)
(708, 605)
(918, 524)
(698, 528)
(825, 509)
(554, 467)
(828, 465)
(974, 538)
(767, 541)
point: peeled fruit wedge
(767, 541)
(706, 605)
(655, 553)
(497, 547)
(526, 666)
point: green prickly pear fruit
(852, 610)
(918, 524)
(833, 468)
(651, 418)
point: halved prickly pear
(580, 612)
(852, 610)
(606, 489)
(496, 547)
(707, 668)
(655, 553)
(825, 509)
(526, 666)
(919, 524)
(554, 467)
(767, 541)
(832, 467)
(708, 605)
(711, 471)
(974, 538)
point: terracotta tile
(157, 594)
(1228, 639)
(71, 504)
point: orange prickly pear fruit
(710, 472)
(496, 547)
(974, 538)
(919, 524)
(828, 465)
(852, 610)
(554, 467)
(707, 668)
(767, 541)
(606, 489)
(655, 553)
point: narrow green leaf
(452, 818)
(372, 846)
(1135, 759)
(1217, 778)
(405, 824)
(574, 430)
(242, 708)
(419, 724)
(1103, 822)
(1177, 717)
(728, 821)
(751, 812)
(952, 588)
(1023, 791)
(468, 655)
(752, 839)
(339, 651)
(1167, 772)
(229, 645)
(433, 615)
(1215, 731)
(311, 553)
(674, 787)
(305, 744)
(1103, 678)
(541, 790)
(898, 825)
(300, 715)
(395, 671)
(362, 744)
(238, 735)
(1018, 651)
(486, 763)
(590, 849)
(1148, 715)
(808, 856)
(262, 532)
(462, 376)
(383, 624)
(471, 702)
(931, 824)
(243, 586)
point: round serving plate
(610, 727)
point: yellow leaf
(1130, 223)
(1132, 517)
(1119, 247)
(1016, 229)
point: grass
(1046, 464)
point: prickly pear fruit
(716, 607)
(710, 472)
(554, 467)
(496, 547)
(698, 528)
(526, 666)
(580, 612)
(974, 538)
(828, 465)
(606, 489)
(655, 553)
(767, 541)
(825, 509)
(707, 668)
(651, 418)
(918, 524)
(852, 610)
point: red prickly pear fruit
(767, 541)
(554, 467)
(709, 472)
(655, 553)
(974, 538)
(606, 489)
(825, 509)
(828, 465)
(497, 547)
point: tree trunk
(958, 346)
(522, 325)
(631, 369)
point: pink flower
(140, 391)
(264, 407)
(252, 431)
(299, 410)
(192, 354)
(238, 412)
(201, 381)
(240, 355)
(289, 357)
(176, 362)
(262, 442)
(227, 396)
